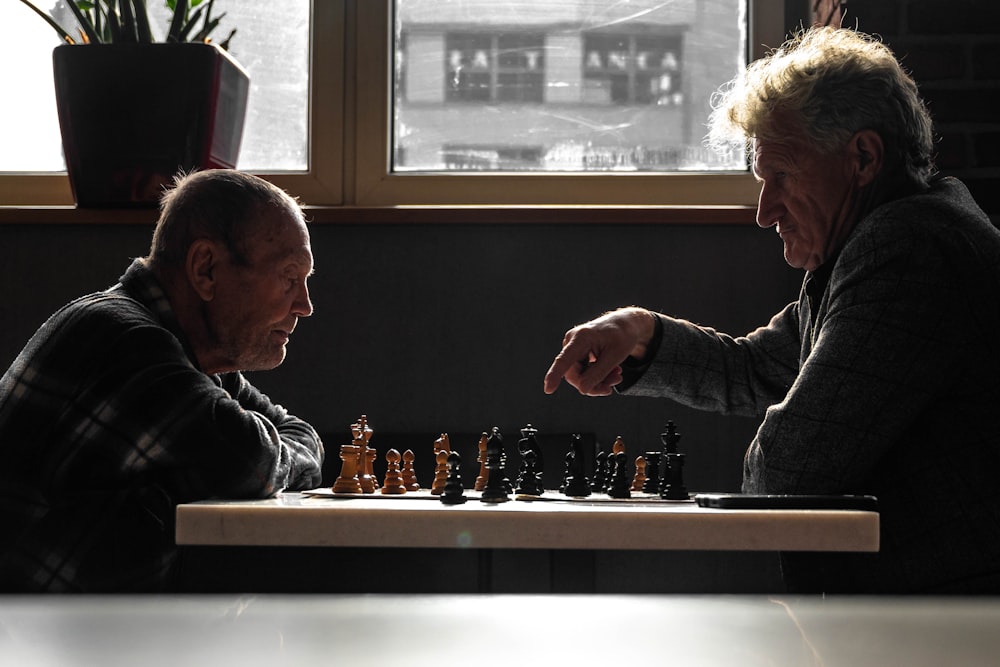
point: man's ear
(202, 263)
(867, 152)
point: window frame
(350, 138)
(630, 71)
(376, 185)
(494, 71)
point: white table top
(294, 519)
(483, 631)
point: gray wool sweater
(883, 379)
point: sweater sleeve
(143, 415)
(705, 369)
(292, 452)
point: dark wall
(952, 50)
(450, 328)
(435, 328)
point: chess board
(588, 474)
(547, 496)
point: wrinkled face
(809, 198)
(258, 306)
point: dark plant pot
(133, 115)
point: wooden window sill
(343, 215)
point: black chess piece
(508, 487)
(529, 483)
(652, 483)
(577, 484)
(601, 478)
(529, 442)
(454, 492)
(567, 470)
(673, 487)
(619, 486)
(670, 438)
(672, 483)
(609, 471)
(496, 490)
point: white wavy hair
(824, 85)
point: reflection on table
(54, 631)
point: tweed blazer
(884, 379)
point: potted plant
(133, 111)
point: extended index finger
(564, 362)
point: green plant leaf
(84, 20)
(203, 34)
(99, 25)
(114, 28)
(224, 44)
(48, 19)
(143, 31)
(180, 9)
(189, 25)
(108, 21)
(128, 21)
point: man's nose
(303, 305)
(768, 207)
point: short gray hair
(220, 204)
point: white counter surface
(418, 520)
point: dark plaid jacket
(883, 378)
(106, 424)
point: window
(603, 103)
(491, 67)
(275, 53)
(632, 69)
(271, 43)
(578, 86)
(363, 142)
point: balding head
(222, 205)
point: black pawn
(601, 478)
(529, 483)
(577, 484)
(567, 471)
(652, 483)
(454, 492)
(508, 486)
(619, 486)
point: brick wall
(952, 50)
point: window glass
(562, 85)
(271, 43)
(29, 127)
